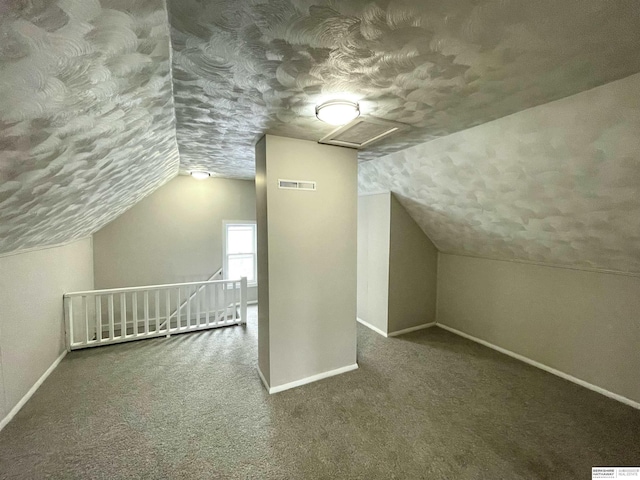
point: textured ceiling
(557, 184)
(246, 67)
(87, 124)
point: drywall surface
(373, 259)
(397, 265)
(174, 235)
(556, 184)
(241, 68)
(31, 319)
(87, 122)
(413, 265)
(585, 324)
(263, 259)
(312, 259)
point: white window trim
(225, 259)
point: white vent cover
(296, 184)
(362, 132)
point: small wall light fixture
(200, 174)
(338, 112)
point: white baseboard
(304, 381)
(411, 329)
(32, 390)
(544, 367)
(397, 332)
(375, 329)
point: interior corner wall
(263, 260)
(413, 265)
(311, 258)
(585, 324)
(173, 235)
(397, 266)
(32, 321)
(374, 217)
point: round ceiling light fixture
(200, 174)
(338, 112)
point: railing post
(216, 316)
(123, 315)
(85, 309)
(146, 325)
(197, 299)
(67, 322)
(225, 287)
(188, 295)
(243, 300)
(167, 309)
(179, 311)
(112, 320)
(235, 315)
(207, 306)
(134, 312)
(145, 307)
(98, 300)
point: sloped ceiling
(246, 67)
(87, 124)
(556, 184)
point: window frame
(225, 256)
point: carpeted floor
(425, 405)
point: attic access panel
(362, 132)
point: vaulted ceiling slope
(556, 184)
(87, 124)
(246, 67)
(87, 119)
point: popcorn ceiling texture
(246, 67)
(556, 184)
(87, 124)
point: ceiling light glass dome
(200, 174)
(338, 112)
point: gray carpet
(425, 405)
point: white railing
(194, 294)
(104, 317)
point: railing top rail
(148, 287)
(218, 272)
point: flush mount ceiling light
(337, 112)
(200, 174)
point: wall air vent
(296, 184)
(362, 132)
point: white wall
(311, 249)
(397, 266)
(374, 219)
(585, 324)
(264, 354)
(173, 235)
(413, 265)
(31, 318)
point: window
(239, 250)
